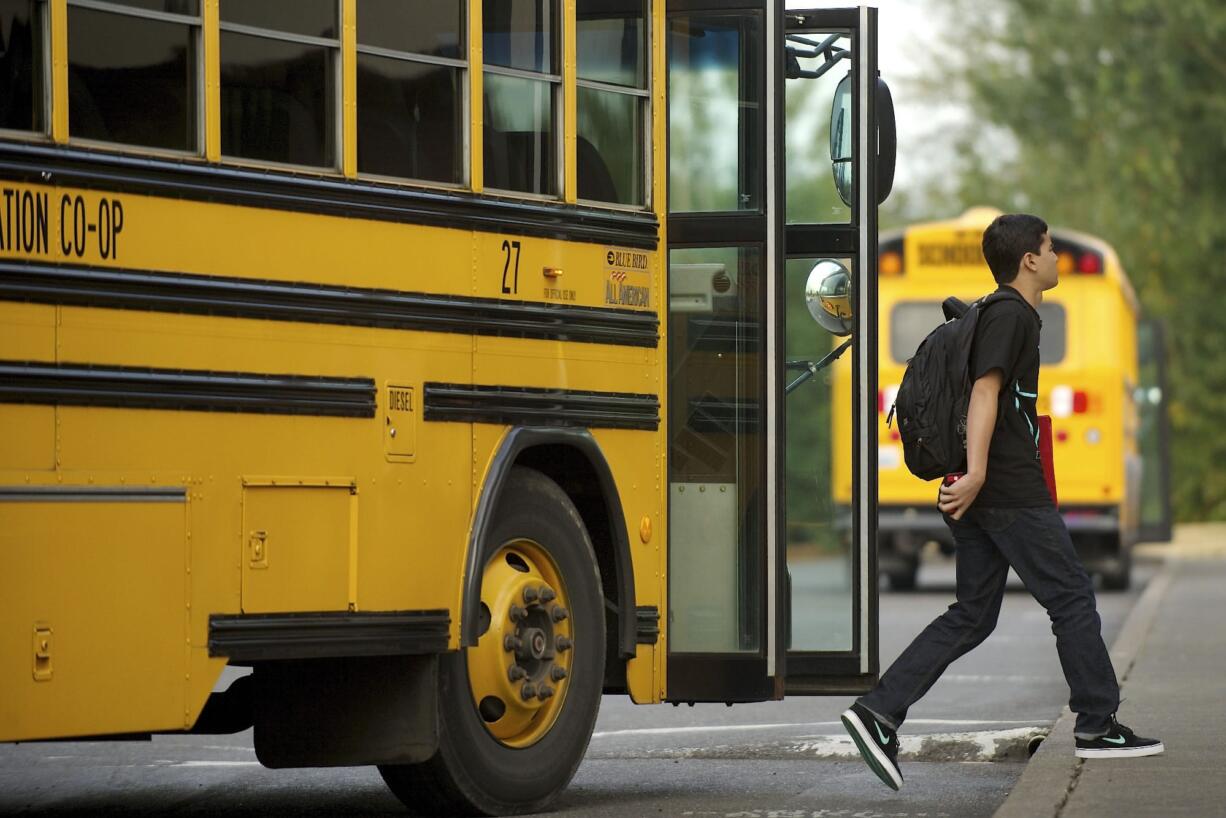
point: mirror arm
(810, 368)
(831, 55)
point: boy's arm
(954, 500)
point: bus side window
(134, 76)
(612, 101)
(280, 61)
(411, 76)
(522, 86)
(22, 72)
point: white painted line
(718, 728)
(973, 746)
(217, 764)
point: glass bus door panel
(1153, 438)
(717, 366)
(821, 562)
(715, 463)
(828, 312)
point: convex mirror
(828, 296)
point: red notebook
(1045, 454)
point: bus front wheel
(517, 710)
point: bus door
(731, 301)
(829, 108)
(1154, 436)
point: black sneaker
(1118, 742)
(877, 742)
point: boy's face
(1043, 264)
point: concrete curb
(1052, 773)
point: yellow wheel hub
(519, 670)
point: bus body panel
(279, 512)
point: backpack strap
(995, 297)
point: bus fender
(517, 440)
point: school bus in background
(1100, 379)
(383, 348)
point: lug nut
(528, 691)
(557, 673)
(511, 643)
(515, 673)
(517, 613)
(530, 594)
(562, 643)
(547, 594)
(545, 693)
(558, 613)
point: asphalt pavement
(965, 744)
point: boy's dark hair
(1007, 239)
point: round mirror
(840, 139)
(828, 296)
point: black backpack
(936, 391)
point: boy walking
(1001, 515)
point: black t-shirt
(1007, 338)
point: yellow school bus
(1090, 382)
(428, 360)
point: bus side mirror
(841, 147)
(828, 296)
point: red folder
(1045, 454)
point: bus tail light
(1065, 401)
(1089, 263)
(890, 258)
(1074, 257)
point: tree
(1114, 109)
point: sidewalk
(1171, 659)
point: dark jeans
(1036, 543)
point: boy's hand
(955, 499)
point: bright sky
(909, 45)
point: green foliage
(1116, 108)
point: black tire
(906, 578)
(1119, 578)
(472, 773)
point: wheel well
(570, 469)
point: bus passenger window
(522, 85)
(134, 73)
(279, 66)
(612, 101)
(411, 89)
(21, 66)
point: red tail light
(1065, 401)
(1089, 263)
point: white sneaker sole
(1123, 752)
(877, 760)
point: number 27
(507, 247)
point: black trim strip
(315, 303)
(260, 637)
(514, 405)
(144, 388)
(303, 192)
(92, 494)
(647, 624)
